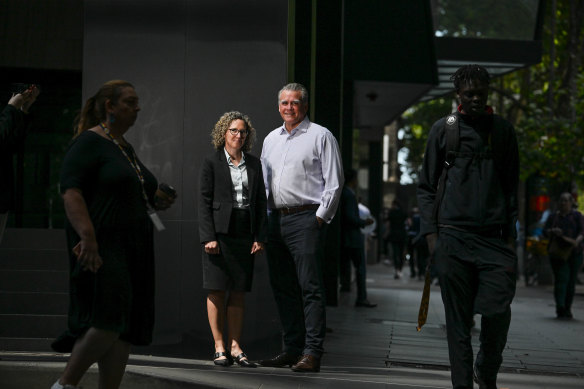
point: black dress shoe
(308, 363)
(222, 362)
(365, 303)
(243, 362)
(281, 360)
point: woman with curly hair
(232, 229)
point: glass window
(495, 19)
(37, 161)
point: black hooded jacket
(481, 186)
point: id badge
(156, 221)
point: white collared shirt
(240, 187)
(303, 167)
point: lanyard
(133, 162)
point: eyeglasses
(235, 131)
(294, 103)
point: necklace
(133, 161)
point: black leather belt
(495, 231)
(300, 208)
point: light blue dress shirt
(240, 188)
(303, 167)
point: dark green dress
(120, 296)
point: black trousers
(295, 257)
(355, 255)
(421, 253)
(565, 274)
(477, 275)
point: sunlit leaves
(547, 114)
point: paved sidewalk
(538, 343)
(367, 348)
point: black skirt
(232, 268)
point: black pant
(397, 252)
(357, 257)
(477, 275)
(565, 274)
(295, 255)
(421, 254)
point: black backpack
(452, 131)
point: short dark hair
(350, 174)
(468, 73)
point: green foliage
(544, 102)
(550, 124)
(416, 124)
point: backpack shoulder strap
(452, 133)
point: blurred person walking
(419, 246)
(565, 228)
(353, 241)
(396, 219)
(110, 200)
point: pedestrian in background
(232, 229)
(419, 247)
(110, 200)
(369, 231)
(565, 228)
(384, 236)
(472, 234)
(304, 177)
(397, 236)
(14, 123)
(353, 241)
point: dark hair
(467, 74)
(350, 174)
(94, 110)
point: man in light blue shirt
(303, 176)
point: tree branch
(510, 96)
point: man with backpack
(467, 197)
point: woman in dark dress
(108, 195)
(232, 227)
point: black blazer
(216, 200)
